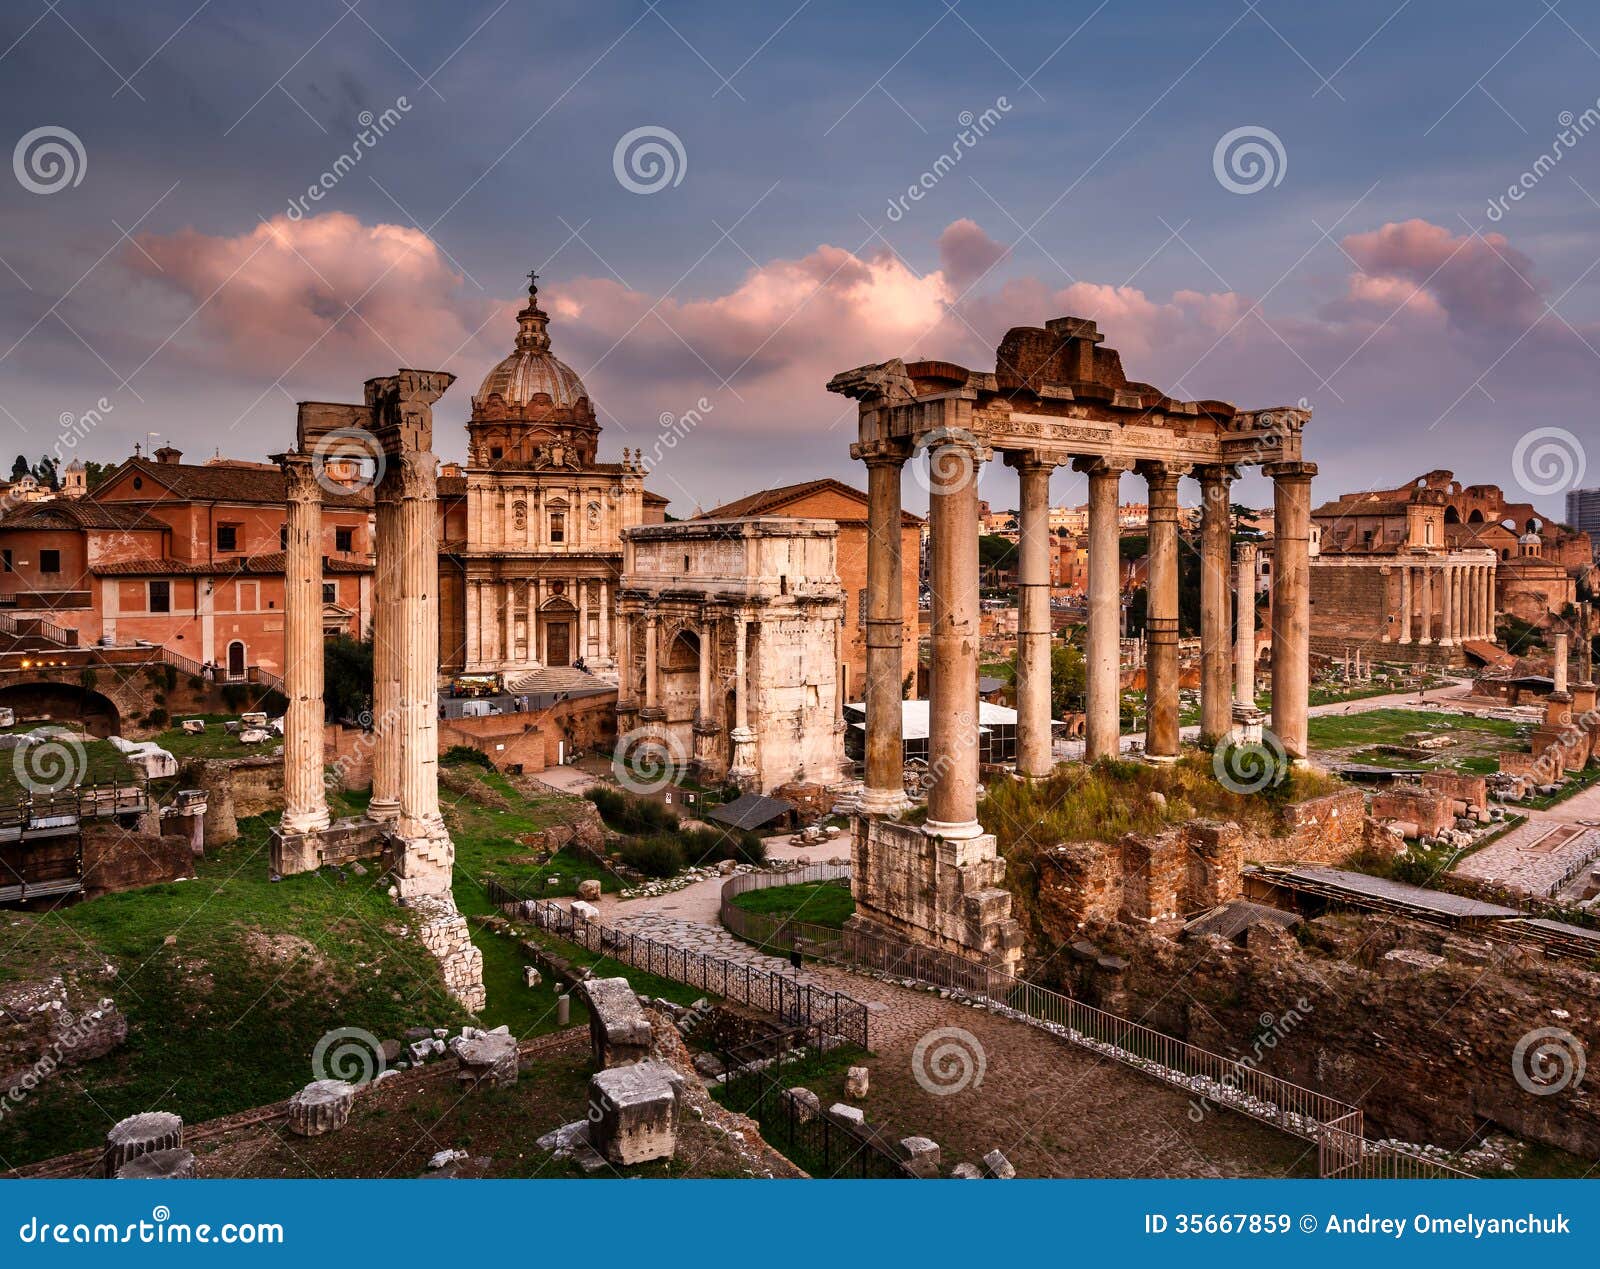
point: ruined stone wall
(1431, 813)
(236, 789)
(1471, 792)
(115, 859)
(1325, 830)
(1426, 1042)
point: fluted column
(884, 788)
(1406, 603)
(1244, 688)
(742, 769)
(953, 461)
(1291, 604)
(388, 653)
(305, 796)
(429, 854)
(1161, 615)
(1425, 582)
(605, 620)
(627, 702)
(1033, 616)
(510, 654)
(652, 686)
(1103, 720)
(1216, 533)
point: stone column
(953, 460)
(1161, 616)
(1406, 602)
(1291, 604)
(388, 653)
(1103, 722)
(1244, 688)
(1451, 615)
(1216, 534)
(1560, 662)
(652, 685)
(305, 796)
(605, 621)
(584, 650)
(627, 702)
(508, 617)
(884, 788)
(1426, 604)
(708, 766)
(1033, 616)
(742, 771)
(427, 855)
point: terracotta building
(532, 526)
(1534, 564)
(188, 556)
(829, 499)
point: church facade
(531, 549)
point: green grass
(604, 966)
(1392, 726)
(71, 760)
(816, 903)
(1580, 781)
(227, 1017)
(214, 742)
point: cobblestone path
(1053, 1108)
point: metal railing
(796, 1003)
(1231, 1083)
(65, 807)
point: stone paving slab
(1528, 860)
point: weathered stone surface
(807, 1105)
(141, 1134)
(922, 1156)
(618, 1025)
(633, 1112)
(486, 1058)
(589, 890)
(444, 932)
(965, 1172)
(847, 1116)
(320, 1107)
(585, 911)
(159, 1165)
(531, 976)
(855, 1083)
(997, 1166)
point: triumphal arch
(1055, 397)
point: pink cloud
(1477, 281)
(966, 253)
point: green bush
(156, 718)
(637, 816)
(653, 856)
(464, 756)
(89, 678)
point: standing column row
(1034, 759)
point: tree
(19, 469)
(44, 471)
(347, 679)
(1069, 679)
(95, 473)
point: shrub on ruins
(636, 816)
(658, 856)
(465, 756)
(712, 845)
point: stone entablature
(731, 645)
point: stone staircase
(555, 678)
(846, 797)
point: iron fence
(793, 1002)
(1215, 1080)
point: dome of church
(532, 369)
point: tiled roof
(270, 564)
(766, 502)
(219, 482)
(79, 513)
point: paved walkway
(1534, 858)
(1053, 1108)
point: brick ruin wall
(1426, 1044)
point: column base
(1160, 759)
(949, 894)
(1248, 722)
(958, 831)
(303, 825)
(742, 771)
(424, 859)
(886, 802)
(383, 810)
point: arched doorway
(558, 630)
(237, 663)
(63, 703)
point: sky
(1269, 203)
